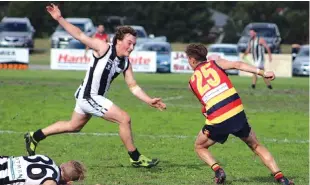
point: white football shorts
(95, 105)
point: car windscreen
(160, 49)
(14, 26)
(304, 52)
(261, 31)
(226, 51)
(141, 34)
(81, 26)
(76, 45)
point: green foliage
(293, 22)
(179, 21)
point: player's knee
(74, 127)
(125, 119)
(253, 146)
(198, 147)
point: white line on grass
(266, 140)
(173, 98)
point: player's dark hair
(197, 51)
(121, 31)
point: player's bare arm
(139, 93)
(263, 42)
(49, 182)
(97, 45)
(247, 50)
(87, 48)
(225, 64)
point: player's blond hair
(75, 171)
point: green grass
(35, 99)
(42, 57)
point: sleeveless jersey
(100, 74)
(215, 92)
(28, 170)
(101, 36)
(257, 50)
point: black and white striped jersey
(100, 74)
(28, 170)
(257, 50)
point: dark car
(16, 32)
(268, 31)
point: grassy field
(42, 51)
(35, 99)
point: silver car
(16, 32)
(60, 38)
(301, 62)
(226, 51)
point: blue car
(163, 51)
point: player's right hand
(157, 103)
(54, 11)
(269, 75)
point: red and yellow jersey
(102, 36)
(216, 93)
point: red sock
(278, 175)
(215, 167)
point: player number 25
(208, 76)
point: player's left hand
(269, 75)
(54, 11)
(157, 103)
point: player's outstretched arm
(49, 182)
(225, 64)
(99, 46)
(139, 93)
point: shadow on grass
(256, 179)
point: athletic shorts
(94, 105)
(237, 126)
(259, 64)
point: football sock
(253, 86)
(278, 175)
(269, 87)
(38, 135)
(134, 155)
(215, 167)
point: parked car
(16, 32)
(301, 62)
(163, 53)
(268, 31)
(226, 51)
(75, 44)
(60, 38)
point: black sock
(38, 135)
(134, 155)
(269, 87)
(253, 86)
